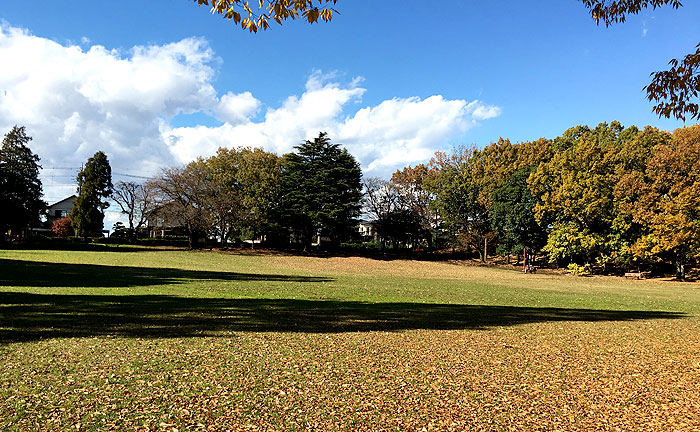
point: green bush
(579, 270)
(373, 245)
(164, 241)
(113, 240)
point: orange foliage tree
(62, 227)
(669, 202)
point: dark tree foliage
(513, 219)
(401, 226)
(320, 191)
(413, 195)
(389, 206)
(94, 187)
(120, 231)
(20, 187)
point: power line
(113, 173)
(131, 175)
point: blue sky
(395, 81)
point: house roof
(70, 198)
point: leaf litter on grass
(548, 374)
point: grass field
(158, 340)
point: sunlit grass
(162, 339)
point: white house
(367, 230)
(60, 209)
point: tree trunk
(308, 237)
(680, 265)
(486, 250)
(481, 252)
(190, 239)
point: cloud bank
(384, 137)
(75, 101)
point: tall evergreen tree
(512, 217)
(20, 187)
(320, 190)
(94, 187)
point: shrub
(62, 228)
(164, 241)
(579, 270)
(372, 245)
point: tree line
(241, 193)
(248, 193)
(598, 199)
(603, 198)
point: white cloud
(483, 112)
(76, 101)
(237, 108)
(384, 137)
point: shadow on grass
(19, 273)
(25, 317)
(90, 247)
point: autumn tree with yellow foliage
(669, 200)
(609, 197)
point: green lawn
(156, 340)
